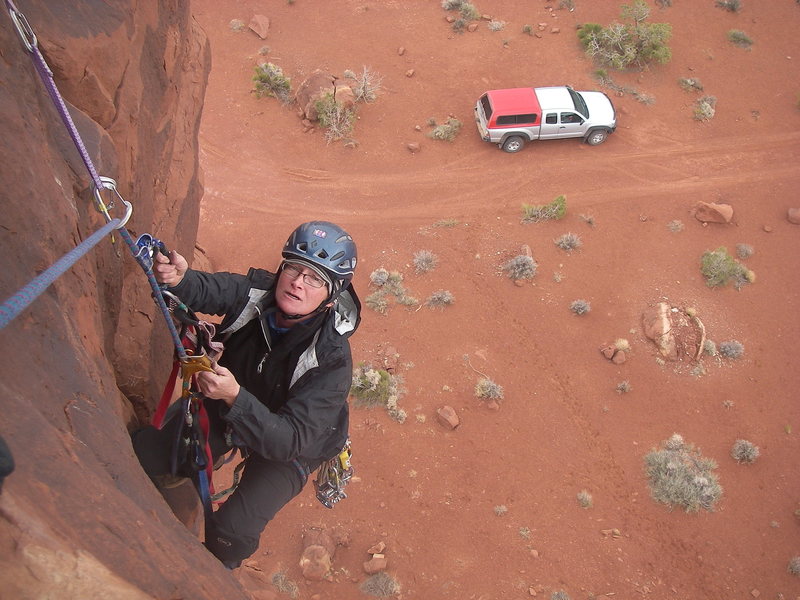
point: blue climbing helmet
(327, 246)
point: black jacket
(293, 398)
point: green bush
(719, 267)
(336, 118)
(520, 267)
(377, 387)
(739, 38)
(730, 5)
(622, 45)
(446, 131)
(542, 212)
(269, 80)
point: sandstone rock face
(676, 334)
(78, 517)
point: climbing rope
(142, 250)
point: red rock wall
(78, 518)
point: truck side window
(551, 118)
(570, 118)
(526, 119)
(506, 120)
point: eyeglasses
(294, 272)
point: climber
(279, 390)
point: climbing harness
(333, 476)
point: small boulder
(608, 351)
(793, 215)
(259, 25)
(448, 417)
(376, 564)
(710, 212)
(315, 563)
(619, 357)
(413, 147)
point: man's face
(294, 295)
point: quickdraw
(333, 476)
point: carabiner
(24, 29)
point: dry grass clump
(584, 499)
(580, 307)
(675, 226)
(794, 566)
(731, 349)
(447, 131)
(744, 251)
(705, 108)
(520, 267)
(745, 452)
(424, 261)
(440, 299)
(739, 38)
(680, 476)
(560, 595)
(486, 389)
(623, 387)
(568, 241)
(285, 585)
(365, 85)
(690, 84)
(269, 80)
(533, 213)
(500, 510)
(389, 284)
(377, 387)
(380, 585)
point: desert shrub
(580, 307)
(285, 585)
(744, 251)
(389, 284)
(739, 38)
(584, 499)
(622, 45)
(794, 566)
(335, 117)
(588, 219)
(424, 261)
(623, 387)
(679, 475)
(495, 25)
(710, 348)
(675, 226)
(690, 84)
(527, 29)
(568, 241)
(731, 349)
(381, 585)
(486, 389)
(466, 9)
(719, 267)
(745, 452)
(269, 80)
(729, 5)
(446, 131)
(379, 277)
(664, 3)
(705, 108)
(237, 25)
(500, 510)
(378, 301)
(440, 299)
(520, 267)
(446, 223)
(560, 595)
(377, 387)
(533, 213)
(366, 84)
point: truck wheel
(513, 143)
(598, 136)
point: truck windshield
(580, 103)
(487, 107)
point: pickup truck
(512, 117)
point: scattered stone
(259, 25)
(315, 563)
(450, 19)
(555, 30)
(793, 215)
(401, 51)
(768, 228)
(710, 212)
(376, 564)
(472, 27)
(236, 25)
(619, 357)
(542, 26)
(493, 405)
(377, 548)
(448, 417)
(319, 537)
(410, 73)
(755, 593)
(609, 351)
(417, 128)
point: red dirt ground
(561, 428)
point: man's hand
(169, 270)
(219, 385)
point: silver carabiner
(24, 29)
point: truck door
(571, 125)
(549, 129)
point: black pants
(266, 486)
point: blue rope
(12, 307)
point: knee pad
(230, 549)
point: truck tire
(513, 143)
(596, 137)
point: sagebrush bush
(705, 108)
(269, 80)
(580, 307)
(440, 299)
(584, 499)
(744, 451)
(679, 475)
(377, 387)
(560, 595)
(533, 213)
(730, 5)
(424, 261)
(690, 84)
(623, 387)
(794, 566)
(568, 241)
(366, 84)
(380, 585)
(719, 267)
(486, 389)
(731, 349)
(744, 251)
(520, 267)
(739, 38)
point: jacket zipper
(266, 339)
